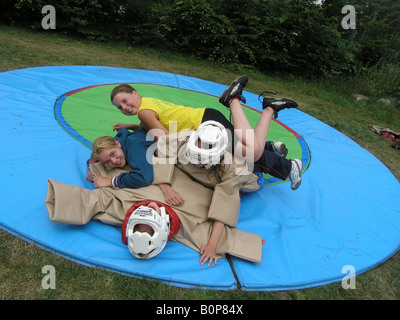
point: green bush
(294, 36)
(193, 27)
(104, 20)
(298, 37)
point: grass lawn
(332, 102)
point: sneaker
(278, 105)
(234, 91)
(279, 148)
(295, 173)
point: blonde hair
(101, 144)
(121, 88)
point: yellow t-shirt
(181, 117)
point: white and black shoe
(276, 104)
(234, 91)
(295, 173)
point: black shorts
(213, 114)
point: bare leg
(251, 141)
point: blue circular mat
(346, 212)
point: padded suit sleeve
(225, 203)
(164, 159)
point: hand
(208, 254)
(102, 182)
(119, 126)
(170, 195)
(89, 176)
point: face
(114, 158)
(144, 227)
(127, 103)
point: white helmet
(141, 244)
(214, 142)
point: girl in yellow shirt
(162, 117)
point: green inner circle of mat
(90, 113)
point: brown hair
(121, 88)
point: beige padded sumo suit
(75, 205)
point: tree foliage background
(297, 37)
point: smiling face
(113, 157)
(127, 103)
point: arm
(164, 160)
(150, 121)
(208, 252)
(102, 182)
(140, 175)
(90, 175)
(170, 195)
(119, 126)
(226, 192)
(233, 176)
(132, 179)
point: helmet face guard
(207, 144)
(141, 244)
